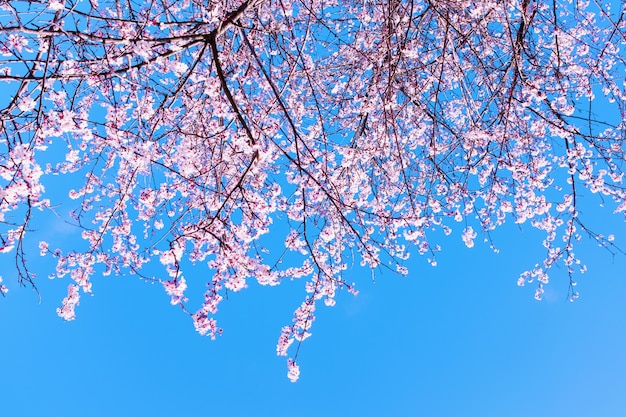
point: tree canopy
(351, 132)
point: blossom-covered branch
(203, 132)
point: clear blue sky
(460, 339)
(457, 340)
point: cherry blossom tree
(192, 132)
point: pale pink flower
(17, 42)
(26, 104)
(176, 289)
(56, 4)
(66, 311)
(43, 248)
(293, 370)
(468, 236)
(6, 248)
(284, 341)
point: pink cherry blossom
(176, 289)
(66, 311)
(294, 370)
(263, 143)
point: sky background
(459, 339)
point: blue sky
(460, 339)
